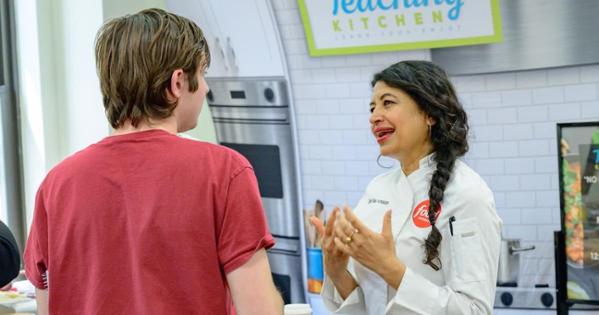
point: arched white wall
(59, 100)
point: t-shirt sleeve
(244, 227)
(36, 250)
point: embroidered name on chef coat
(374, 200)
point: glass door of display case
(577, 260)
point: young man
(10, 261)
(146, 222)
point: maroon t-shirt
(145, 223)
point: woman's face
(397, 123)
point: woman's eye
(371, 109)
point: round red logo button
(420, 214)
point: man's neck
(168, 125)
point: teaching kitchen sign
(340, 27)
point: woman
(394, 255)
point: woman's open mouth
(382, 134)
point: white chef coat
(466, 282)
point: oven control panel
(515, 297)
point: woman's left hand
(375, 251)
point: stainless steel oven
(253, 117)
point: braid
(437, 189)
(449, 140)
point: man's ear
(176, 87)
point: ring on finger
(349, 239)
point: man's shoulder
(218, 152)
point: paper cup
(297, 309)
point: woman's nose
(375, 117)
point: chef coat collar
(425, 164)
(427, 161)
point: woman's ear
(430, 121)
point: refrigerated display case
(577, 260)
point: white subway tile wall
(513, 135)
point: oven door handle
(244, 114)
(263, 116)
(250, 120)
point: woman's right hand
(335, 261)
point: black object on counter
(10, 261)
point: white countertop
(539, 312)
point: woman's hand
(372, 250)
(335, 260)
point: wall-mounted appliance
(253, 117)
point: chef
(425, 237)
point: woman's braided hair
(428, 85)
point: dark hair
(135, 58)
(428, 85)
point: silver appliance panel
(537, 34)
(280, 212)
(246, 92)
(287, 273)
(264, 115)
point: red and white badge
(420, 214)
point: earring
(378, 161)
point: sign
(340, 27)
